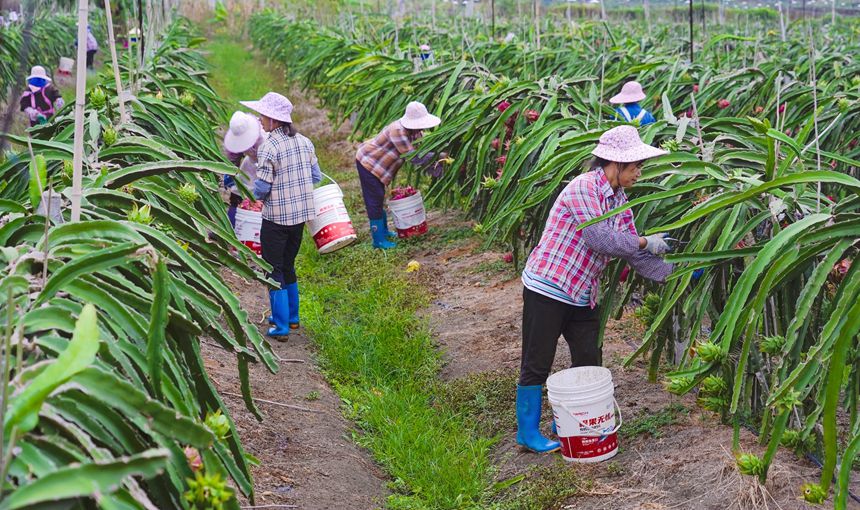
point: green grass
(360, 309)
(653, 423)
(487, 399)
(239, 74)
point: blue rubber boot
(378, 232)
(271, 307)
(281, 314)
(293, 292)
(529, 400)
(390, 234)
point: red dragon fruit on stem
(695, 87)
(502, 159)
(532, 116)
(495, 144)
(504, 105)
(723, 104)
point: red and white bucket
(410, 218)
(248, 225)
(66, 66)
(331, 229)
(584, 407)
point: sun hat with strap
(622, 145)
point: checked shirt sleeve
(400, 140)
(585, 206)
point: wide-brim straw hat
(39, 72)
(631, 92)
(622, 145)
(417, 117)
(273, 106)
(243, 133)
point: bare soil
(476, 317)
(307, 457)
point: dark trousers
(91, 55)
(280, 245)
(544, 320)
(373, 192)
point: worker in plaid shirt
(287, 169)
(562, 275)
(379, 159)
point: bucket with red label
(586, 414)
(407, 211)
(331, 229)
(249, 221)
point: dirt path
(307, 458)
(684, 462)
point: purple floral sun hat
(622, 145)
(273, 106)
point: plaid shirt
(286, 162)
(382, 155)
(561, 256)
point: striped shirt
(382, 156)
(545, 287)
(286, 162)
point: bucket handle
(598, 432)
(326, 176)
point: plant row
(108, 402)
(760, 183)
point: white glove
(59, 103)
(656, 245)
(32, 113)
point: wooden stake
(123, 118)
(80, 101)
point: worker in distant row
(629, 109)
(41, 99)
(92, 47)
(287, 168)
(378, 161)
(561, 278)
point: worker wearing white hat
(378, 161)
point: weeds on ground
(542, 488)
(493, 267)
(653, 424)
(486, 399)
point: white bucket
(66, 65)
(331, 229)
(248, 225)
(584, 408)
(410, 218)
